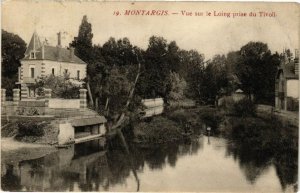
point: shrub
(158, 130)
(30, 128)
(244, 108)
(61, 86)
(179, 116)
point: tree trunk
(121, 117)
(97, 103)
(90, 93)
(106, 103)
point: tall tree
(83, 43)
(84, 49)
(153, 80)
(119, 52)
(256, 71)
(215, 79)
(191, 69)
(12, 50)
(173, 57)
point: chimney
(71, 53)
(59, 39)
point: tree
(12, 51)
(83, 42)
(156, 70)
(84, 49)
(177, 86)
(256, 71)
(191, 69)
(116, 90)
(119, 53)
(173, 57)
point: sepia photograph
(136, 96)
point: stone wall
(64, 103)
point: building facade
(42, 60)
(287, 84)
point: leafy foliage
(30, 128)
(192, 69)
(244, 108)
(83, 42)
(256, 70)
(116, 90)
(12, 50)
(177, 86)
(159, 130)
(61, 87)
(252, 68)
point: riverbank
(13, 151)
(287, 117)
(176, 124)
(32, 131)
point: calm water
(202, 164)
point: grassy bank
(158, 130)
(176, 124)
(32, 131)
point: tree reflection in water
(259, 145)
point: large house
(43, 60)
(287, 84)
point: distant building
(238, 95)
(235, 96)
(42, 60)
(287, 84)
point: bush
(244, 108)
(159, 130)
(30, 128)
(179, 116)
(61, 86)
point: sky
(208, 35)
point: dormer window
(32, 55)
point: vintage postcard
(149, 96)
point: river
(202, 164)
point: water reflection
(202, 164)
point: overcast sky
(208, 35)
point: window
(78, 74)
(52, 71)
(32, 72)
(32, 55)
(66, 71)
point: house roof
(239, 91)
(53, 53)
(34, 44)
